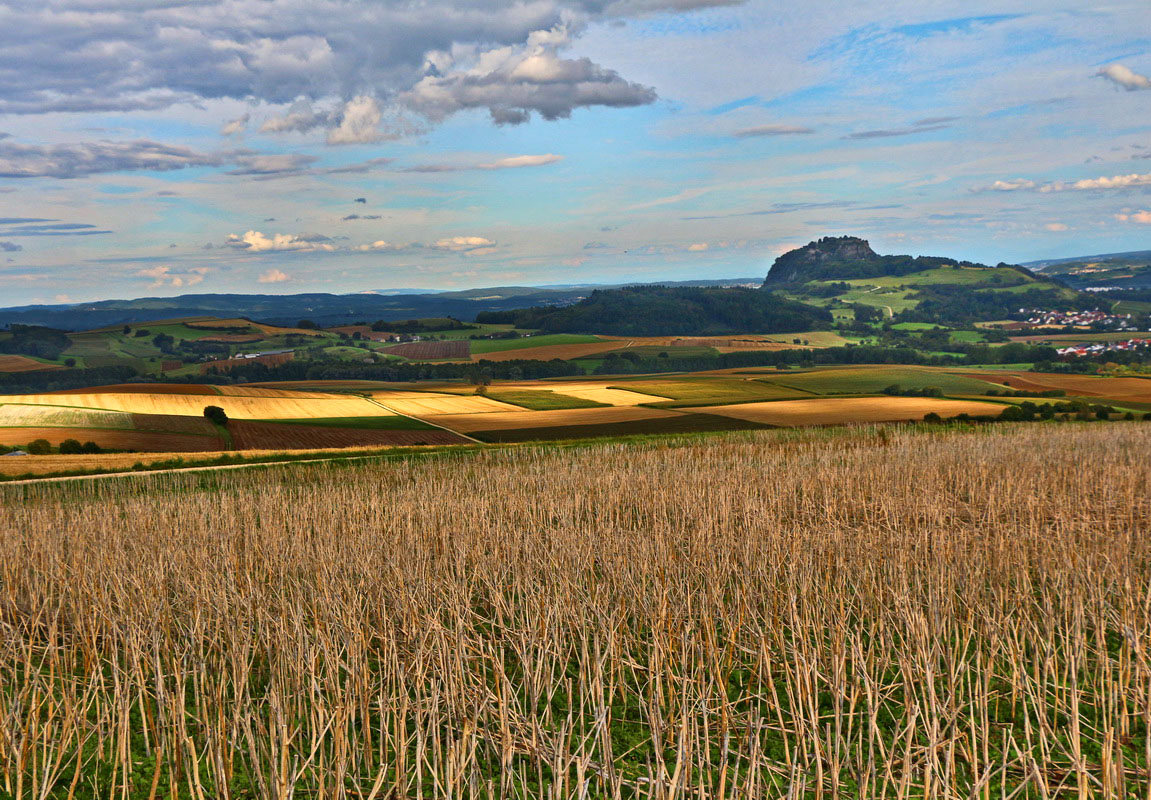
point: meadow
(865, 612)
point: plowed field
(147, 441)
(431, 351)
(269, 435)
(23, 364)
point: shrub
(91, 447)
(70, 447)
(39, 447)
(216, 415)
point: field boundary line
(376, 402)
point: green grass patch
(869, 380)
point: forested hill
(847, 258)
(662, 310)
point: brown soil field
(1082, 385)
(173, 423)
(226, 364)
(423, 404)
(10, 363)
(290, 407)
(148, 388)
(456, 348)
(234, 338)
(147, 441)
(271, 330)
(268, 435)
(548, 352)
(466, 423)
(845, 410)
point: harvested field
(227, 364)
(1138, 389)
(847, 410)
(147, 441)
(270, 330)
(566, 352)
(431, 351)
(871, 379)
(173, 423)
(709, 391)
(193, 405)
(247, 390)
(425, 404)
(234, 338)
(13, 415)
(837, 614)
(541, 400)
(10, 363)
(605, 394)
(247, 435)
(679, 423)
(150, 388)
(466, 423)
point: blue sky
(331, 145)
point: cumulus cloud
(1055, 227)
(1123, 76)
(698, 247)
(1092, 184)
(472, 245)
(256, 242)
(1140, 217)
(436, 56)
(165, 276)
(514, 81)
(90, 158)
(378, 245)
(1013, 185)
(772, 130)
(274, 276)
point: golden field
(848, 410)
(509, 420)
(850, 613)
(275, 404)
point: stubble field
(838, 614)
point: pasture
(850, 613)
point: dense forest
(670, 311)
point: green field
(541, 400)
(869, 380)
(545, 340)
(14, 415)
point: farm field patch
(419, 404)
(152, 388)
(13, 363)
(466, 423)
(709, 391)
(531, 342)
(431, 351)
(565, 352)
(541, 400)
(38, 416)
(254, 435)
(1138, 389)
(846, 410)
(868, 380)
(193, 405)
(678, 423)
(149, 441)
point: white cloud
(378, 245)
(256, 242)
(359, 122)
(472, 245)
(1055, 227)
(1125, 77)
(278, 165)
(1140, 217)
(164, 276)
(1013, 185)
(517, 162)
(1092, 184)
(274, 276)
(698, 247)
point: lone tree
(216, 415)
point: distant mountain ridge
(322, 308)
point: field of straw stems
(822, 614)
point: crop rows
(824, 614)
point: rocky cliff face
(797, 265)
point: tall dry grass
(868, 613)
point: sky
(163, 147)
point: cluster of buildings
(1035, 316)
(1098, 348)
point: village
(1097, 318)
(1097, 348)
